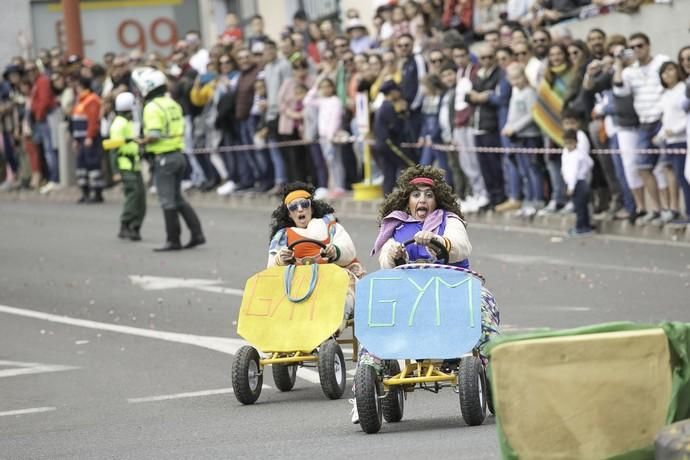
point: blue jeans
(432, 130)
(491, 167)
(678, 165)
(581, 203)
(10, 157)
(532, 174)
(42, 130)
(553, 166)
(279, 168)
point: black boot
(134, 234)
(172, 229)
(97, 196)
(125, 232)
(84, 194)
(192, 221)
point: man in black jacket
(486, 124)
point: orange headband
(292, 196)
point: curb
(347, 207)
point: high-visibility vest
(165, 116)
(80, 121)
(127, 154)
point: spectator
(486, 123)
(87, 142)
(233, 31)
(413, 69)
(257, 35)
(330, 112)
(198, 56)
(532, 65)
(42, 104)
(11, 103)
(596, 42)
(672, 135)
(436, 61)
(522, 132)
(463, 133)
(643, 82)
(388, 127)
(358, 36)
(550, 12)
(541, 42)
(577, 172)
(315, 45)
(431, 129)
(276, 71)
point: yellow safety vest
(164, 115)
(128, 154)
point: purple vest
(407, 230)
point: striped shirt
(644, 83)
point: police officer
(128, 163)
(163, 132)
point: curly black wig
(280, 218)
(399, 199)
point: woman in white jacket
(673, 135)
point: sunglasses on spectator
(304, 204)
(404, 45)
(539, 40)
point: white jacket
(577, 164)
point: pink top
(330, 112)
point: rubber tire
(332, 361)
(246, 360)
(673, 441)
(472, 390)
(284, 376)
(367, 399)
(393, 404)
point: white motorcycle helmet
(147, 79)
(124, 102)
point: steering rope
(289, 275)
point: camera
(626, 54)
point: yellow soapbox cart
(293, 317)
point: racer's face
(422, 202)
(300, 212)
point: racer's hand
(399, 252)
(329, 252)
(424, 237)
(285, 256)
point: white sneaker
(153, 190)
(377, 180)
(186, 185)
(550, 208)
(321, 193)
(568, 208)
(469, 206)
(481, 201)
(227, 188)
(354, 415)
(49, 187)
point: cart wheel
(247, 377)
(332, 369)
(284, 376)
(394, 401)
(367, 399)
(472, 390)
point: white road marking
(192, 394)
(23, 368)
(221, 344)
(540, 260)
(157, 283)
(33, 410)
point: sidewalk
(347, 207)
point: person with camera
(642, 81)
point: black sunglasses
(304, 204)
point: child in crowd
(432, 88)
(308, 125)
(523, 132)
(322, 96)
(576, 168)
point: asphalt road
(108, 350)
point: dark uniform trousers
(134, 208)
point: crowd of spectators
(470, 86)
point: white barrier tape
(439, 147)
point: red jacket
(42, 98)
